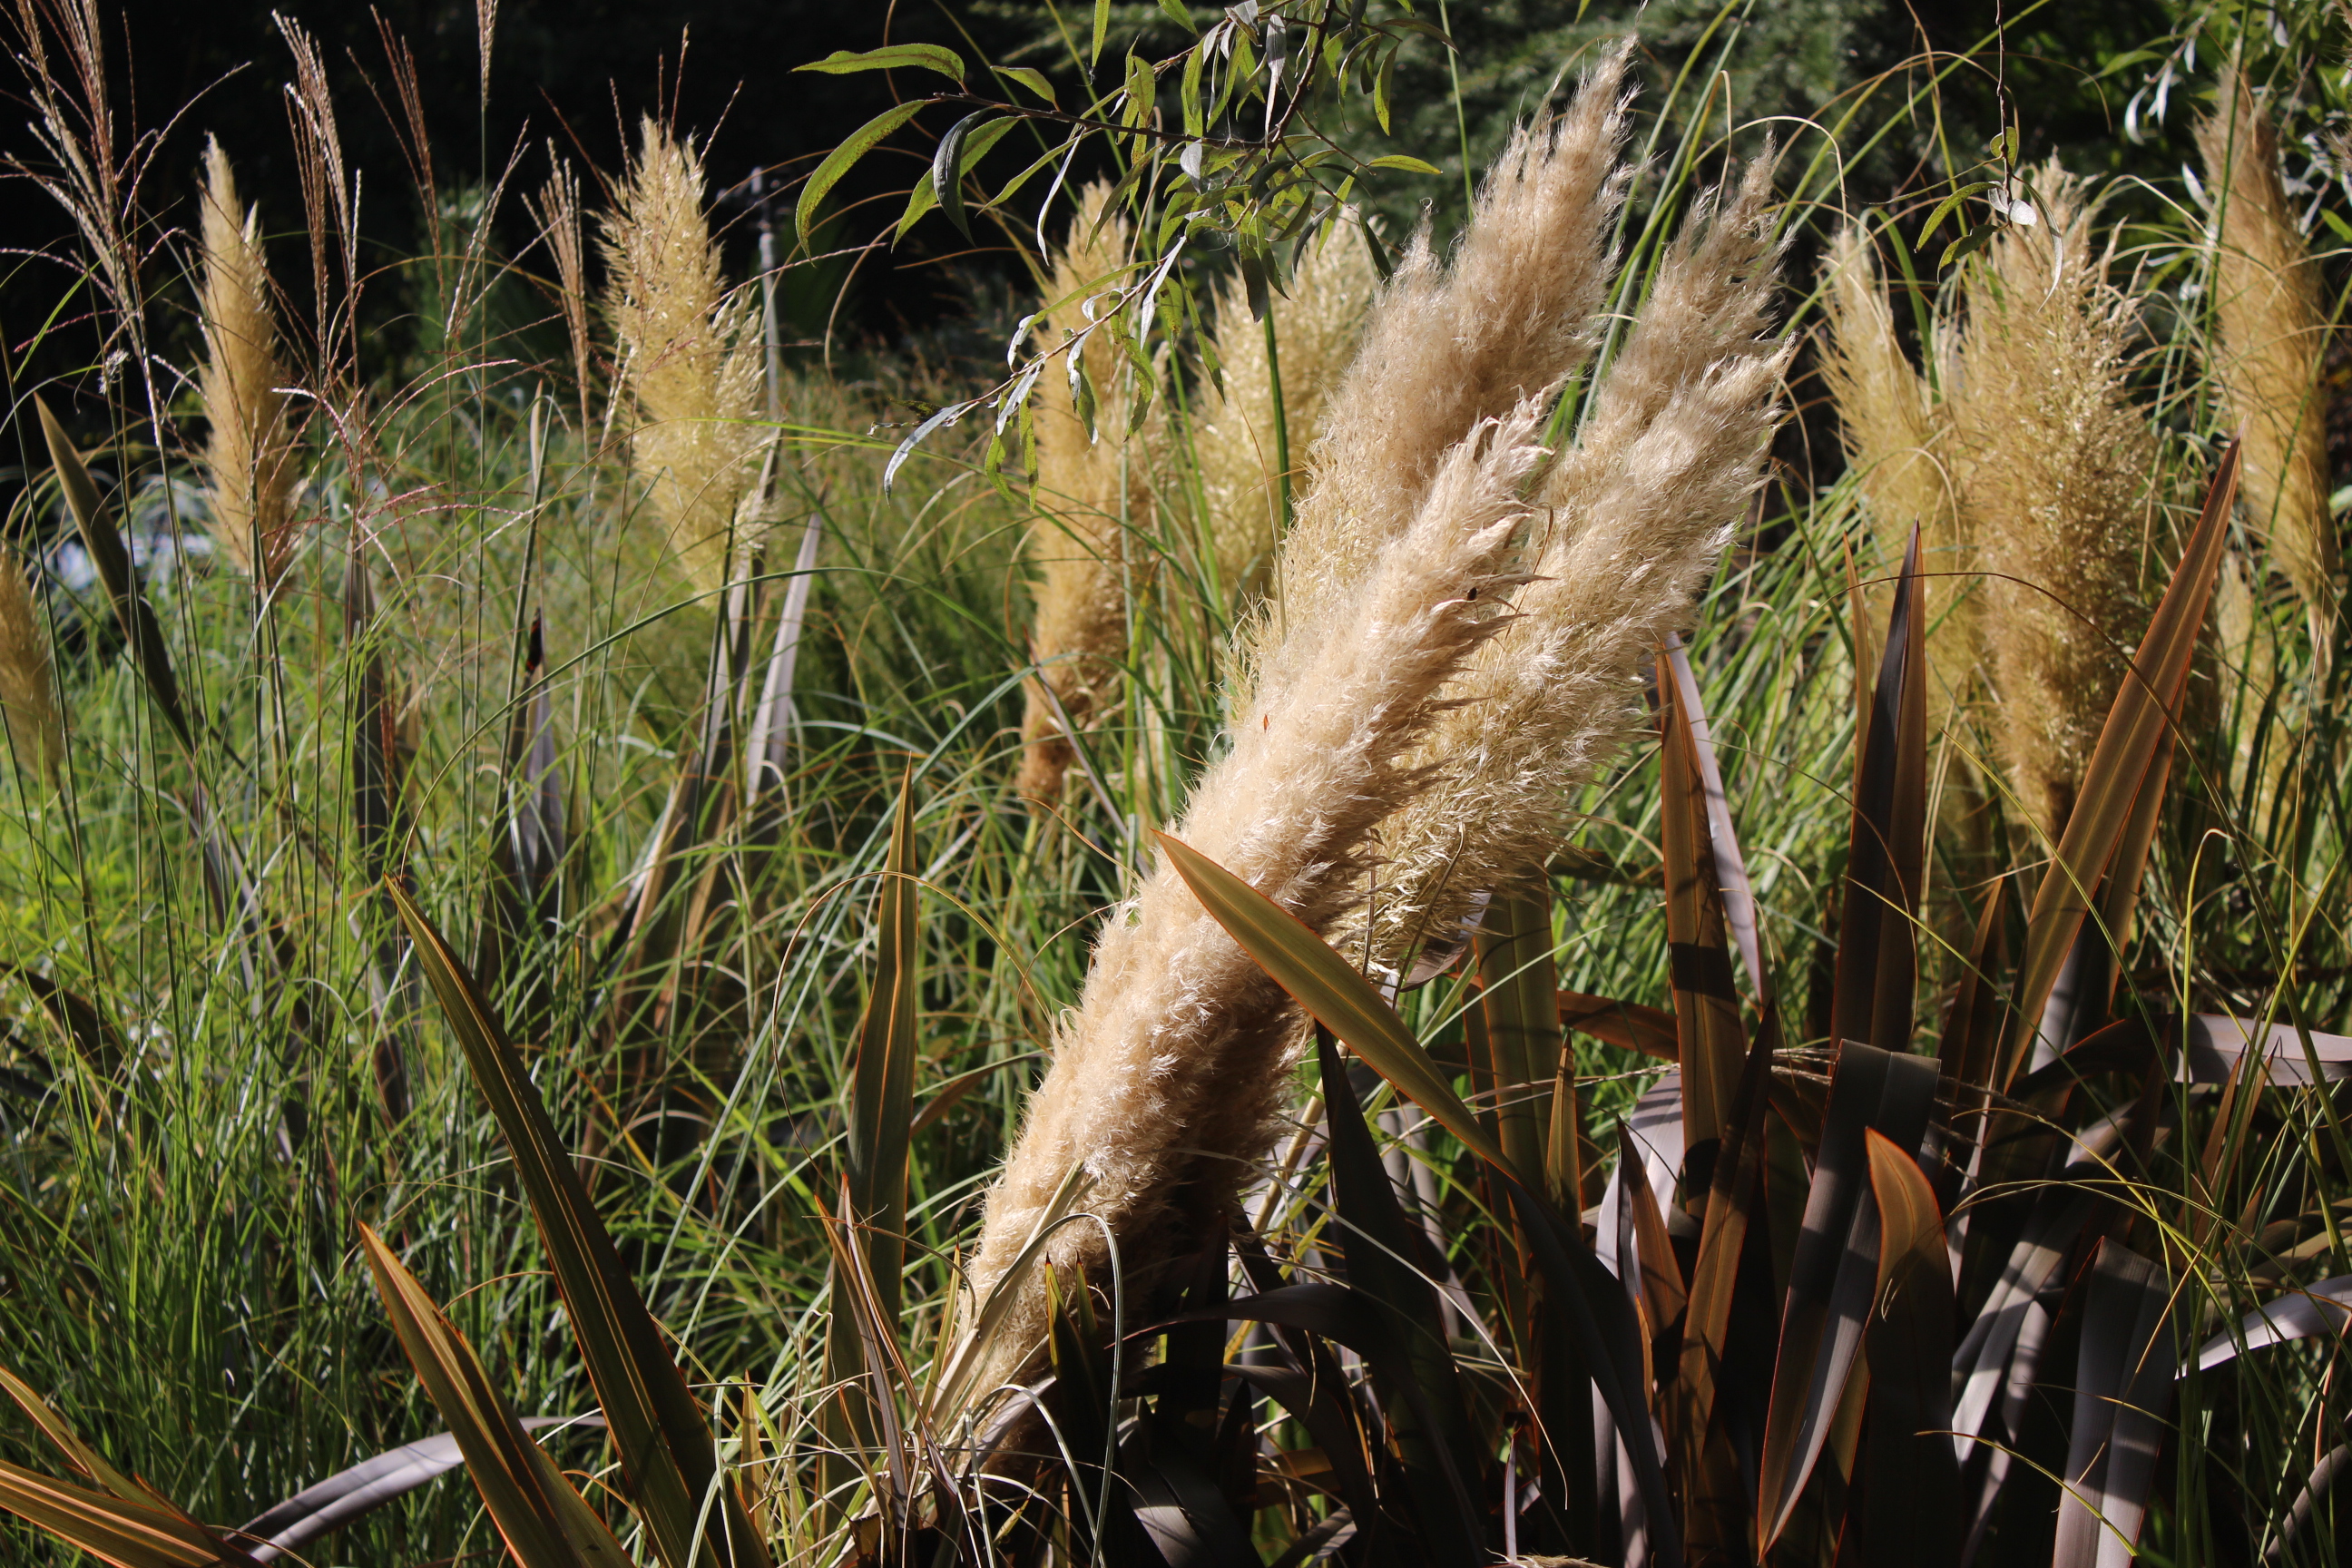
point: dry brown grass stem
(1635, 518)
(1090, 485)
(250, 450)
(690, 355)
(2056, 467)
(1167, 1078)
(1317, 325)
(2271, 327)
(1450, 344)
(28, 704)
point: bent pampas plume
(2055, 472)
(691, 357)
(1635, 518)
(1090, 481)
(1168, 1075)
(1270, 400)
(2271, 328)
(29, 702)
(248, 455)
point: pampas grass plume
(2272, 327)
(2055, 471)
(27, 694)
(1089, 484)
(691, 354)
(248, 456)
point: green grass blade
(665, 1445)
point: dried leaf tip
(248, 456)
(28, 692)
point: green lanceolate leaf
(882, 1084)
(1911, 1490)
(112, 563)
(542, 1518)
(2148, 704)
(844, 157)
(891, 57)
(1877, 964)
(665, 1446)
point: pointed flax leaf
(2123, 1391)
(1522, 1008)
(505, 1464)
(1878, 953)
(2147, 703)
(1911, 1493)
(1334, 993)
(1730, 865)
(113, 1530)
(665, 1446)
(115, 575)
(1711, 1044)
(883, 1081)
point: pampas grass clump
(2270, 326)
(691, 357)
(1167, 1077)
(248, 456)
(1090, 483)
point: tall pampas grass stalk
(1635, 518)
(2271, 325)
(248, 456)
(1091, 482)
(1270, 396)
(2055, 472)
(1167, 1078)
(29, 702)
(691, 355)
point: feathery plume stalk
(558, 211)
(28, 695)
(691, 353)
(2054, 466)
(249, 453)
(1167, 1077)
(1449, 346)
(1898, 441)
(1636, 517)
(1088, 485)
(2272, 327)
(1316, 330)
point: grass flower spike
(248, 456)
(691, 354)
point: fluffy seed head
(2054, 466)
(2271, 328)
(248, 455)
(1089, 485)
(691, 353)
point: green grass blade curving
(665, 1445)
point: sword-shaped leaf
(1911, 1492)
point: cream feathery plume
(1896, 444)
(1167, 1078)
(1090, 485)
(2272, 328)
(691, 353)
(249, 454)
(1636, 516)
(2054, 464)
(29, 702)
(1450, 344)
(1317, 327)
